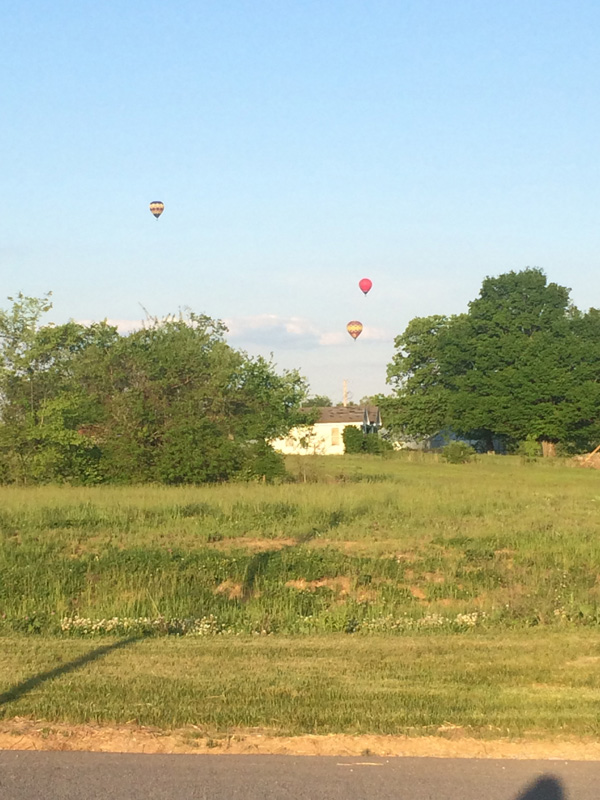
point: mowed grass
(511, 684)
(356, 545)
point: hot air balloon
(156, 207)
(365, 285)
(354, 328)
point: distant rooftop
(346, 413)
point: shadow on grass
(256, 566)
(36, 680)
(258, 563)
(545, 788)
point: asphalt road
(30, 775)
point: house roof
(347, 414)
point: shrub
(355, 441)
(375, 444)
(264, 463)
(529, 449)
(458, 452)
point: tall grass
(356, 545)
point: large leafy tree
(186, 407)
(43, 403)
(584, 362)
(318, 401)
(505, 360)
(172, 402)
(521, 362)
(421, 403)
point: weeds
(371, 545)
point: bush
(373, 443)
(530, 449)
(458, 453)
(355, 441)
(264, 463)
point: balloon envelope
(365, 285)
(156, 207)
(354, 328)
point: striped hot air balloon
(156, 207)
(354, 328)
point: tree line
(174, 403)
(521, 365)
(171, 402)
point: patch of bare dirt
(231, 589)
(255, 545)
(341, 584)
(365, 595)
(417, 592)
(22, 734)
(584, 661)
(435, 577)
(383, 547)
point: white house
(325, 436)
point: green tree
(508, 360)
(318, 401)
(521, 362)
(420, 405)
(357, 441)
(187, 408)
(44, 404)
(172, 402)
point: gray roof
(346, 414)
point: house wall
(322, 438)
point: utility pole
(345, 394)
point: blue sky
(298, 147)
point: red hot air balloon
(365, 285)
(354, 328)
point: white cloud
(293, 332)
(122, 325)
(376, 334)
(273, 331)
(332, 338)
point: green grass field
(401, 595)
(364, 545)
